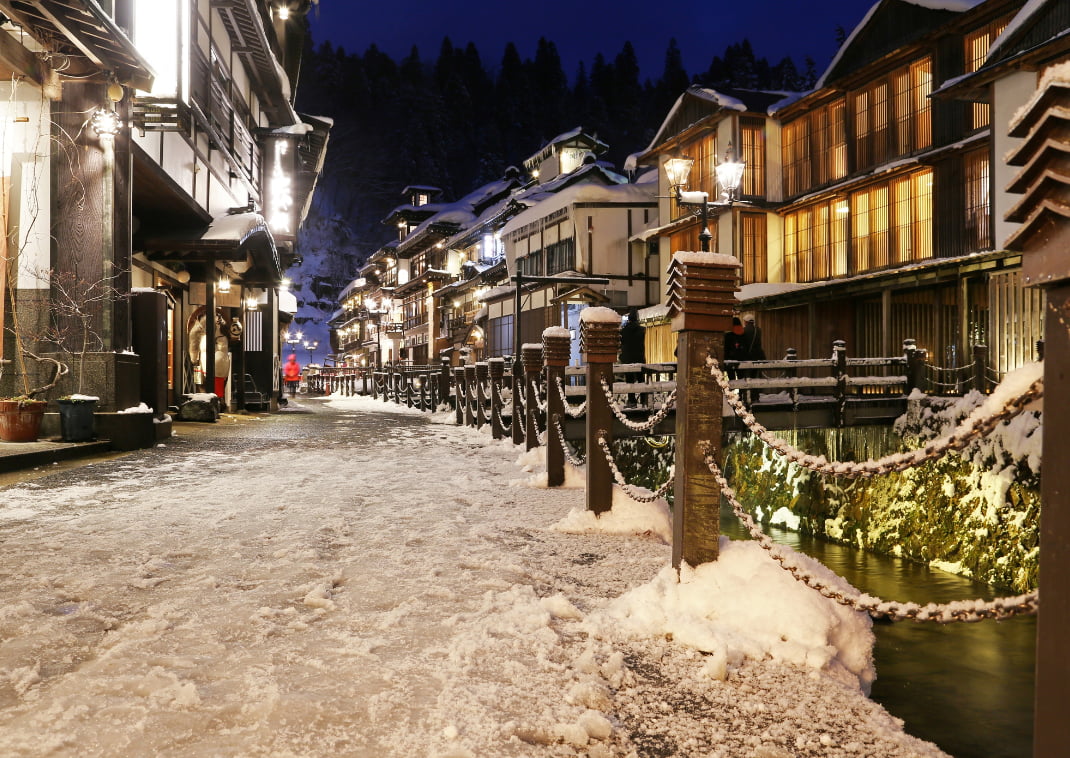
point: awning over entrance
(242, 239)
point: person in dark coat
(632, 348)
(733, 346)
(752, 340)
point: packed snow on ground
(419, 592)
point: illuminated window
(164, 44)
(795, 147)
(978, 226)
(892, 223)
(892, 115)
(977, 44)
(753, 155)
(754, 247)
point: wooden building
(191, 170)
(888, 211)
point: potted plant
(74, 301)
(21, 416)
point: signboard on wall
(280, 168)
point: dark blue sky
(582, 28)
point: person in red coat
(291, 374)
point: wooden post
(459, 394)
(600, 343)
(496, 368)
(531, 355)
(556, 345)
(471, 393)
(914, 377)
(980, 363)
(1044, 239)
(701, 296)
(444, 380)
(517, 377)
(839, 354)
(482, 374)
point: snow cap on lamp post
(600, 334)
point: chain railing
(963, 435)
(574, 411)
(941, 613)
(638, 426)
(629, 489)
(574, 460)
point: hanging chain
(629, 489)
(963, 610)
(573, 411)
(959, 439)
(540, 406)
(650, 423)
(564, 445)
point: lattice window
(754, 247)
(752, 132)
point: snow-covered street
(363, 580)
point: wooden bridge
(790, 393)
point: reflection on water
(966, 687)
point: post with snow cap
(556, 346)
(482, 374)
(459, 397)
(700, 298)
(471, 393)
(497, 373)
(600, 343)
(444, 379)
(531, 355)
(1044, 240)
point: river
(965, 687)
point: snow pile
(743, 605)
(625, 517)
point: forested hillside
(457, 121)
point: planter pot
(76, 420)
(20, 420)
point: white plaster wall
(1011, 92)
(26, 152)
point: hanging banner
(280, 169)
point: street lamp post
(292, 340)
(729, 174)
(377, 310)
(311, 346)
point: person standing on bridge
(752, 340)
(632, 349)
(291, 374)
(733, 347)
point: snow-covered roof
(955, 6)
(237, 227)
(543, 204)
(726, 98)
(593, 143)
(486, 199)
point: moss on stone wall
(975, 513)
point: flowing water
(966, 687)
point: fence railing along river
(533, 401)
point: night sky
(582, 28)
